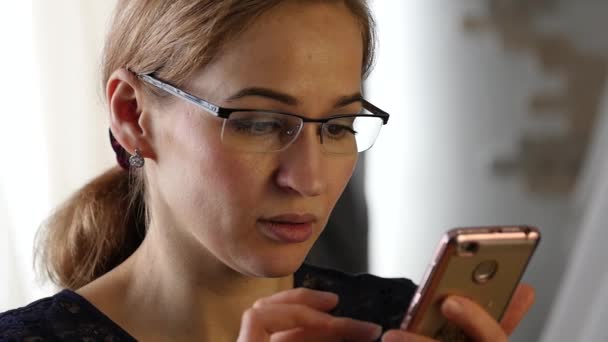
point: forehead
(295, 46)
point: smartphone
(484, 264)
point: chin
(275, 267)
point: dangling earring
(136, 161)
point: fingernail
(329, 296)
(451, 307)
(365, 329)
(391, 337)
(374, 330)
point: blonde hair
(103, 223)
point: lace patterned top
(67, 316)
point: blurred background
(498, 116)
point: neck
(178, 293)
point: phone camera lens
(485, 271)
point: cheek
(339, 175)
(209, 173)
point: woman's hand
(474, 320)
(301, 315)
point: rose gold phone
(484, 264)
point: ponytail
(94, 231)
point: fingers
(258, 323)
(479, 325)
(402, 336)
(472, 319)
(320, 300)
(261, 322)
(299, 314)
(341, 329)
(522, 301)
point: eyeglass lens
(258, 131)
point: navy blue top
(67, 316)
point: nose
(302, 167)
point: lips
(288, 228)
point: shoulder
(362, 296)
(26, 322)
(64, 316)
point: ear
(127, 116)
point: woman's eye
(336, 131)
(256, 127)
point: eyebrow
(289, 99)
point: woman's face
(260, 213)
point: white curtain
(581, 307)
(53, 126)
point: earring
(136, 161)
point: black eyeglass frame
(224, 113)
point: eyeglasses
(255, 130)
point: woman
(237, 118)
